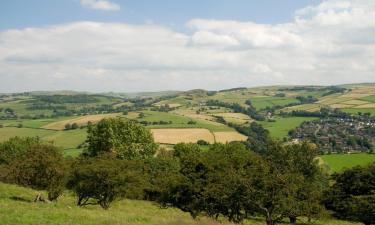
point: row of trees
(228, 180)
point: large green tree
(352, 196)
(123, 138)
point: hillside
(198, 114)
(14, 199)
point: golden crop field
(228, 136)
(82, 120)
(177, 135)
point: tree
(124, 139)
(182, 149)
(352, 195)
(102, 180)
(68, 126)
(39, 166)
(74, 126)
(291, 185)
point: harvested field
(355, 102)
(82, 120)
(366, 106)
(234, 115)
(174, 136)
(228, 136)
(341, 105)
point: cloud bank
(329, 43)
(100, 5)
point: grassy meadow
(338, 162)
(17, 207)
(282, 125)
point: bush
(35, 165)
(74, 126)
(102, 180)
(68, 126)
(202, 142)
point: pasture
(282, 125)
(182, 121)
(338, 162)
(81, 121)
(15, 199)
(66, 140)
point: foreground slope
(16, 207)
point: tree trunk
(269, 221)
(292, 219)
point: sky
(139, 45)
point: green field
(283, 125)
(179, 121)
(67, 140)
(263, 102)
(338, 162)
(355, 111)
(17, 207)
(370, 98)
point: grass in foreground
(338, 162)
(16, 207)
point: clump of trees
(30, 163)
(352, 196)
(231, 181)
(72, 126)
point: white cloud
(326, 44)
(100, 5)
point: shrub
(102, 180)
(202, 142)
(36, 165)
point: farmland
(281, 126)
(80, 121)
(338, 162)
(180, 117)
(186, 119)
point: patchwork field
(192, 135)
(182, 121)
(82, 120)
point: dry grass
(234, 115)
(82, 120)
(341, 105)
(174, 136)
(355, 102)
(228, 136)
(366, 106)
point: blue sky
(175, 13)
(129, 46)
